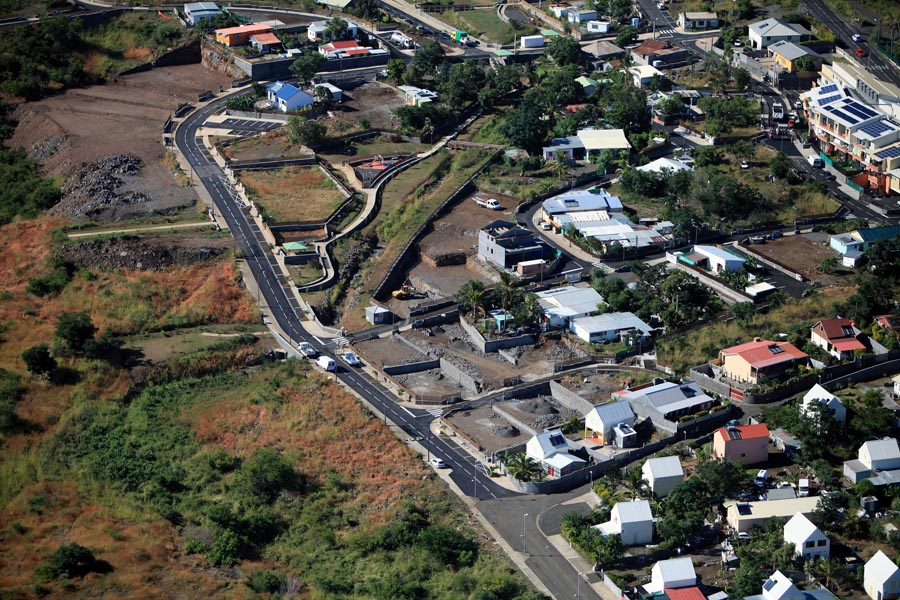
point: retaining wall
(415, 367)
(280, 68)
(570, 399)
(456, 374)
(488, 346)
(522, 426)
(770, 262)
(728, 294)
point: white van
(815, 161)
(326, 362)
(803, 488)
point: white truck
(532, 41)
(803, 488)
(488, 203)
(815, 161)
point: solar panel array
(851, 112)
(829, 89)
(892, 152)
(829, 99)
(861, 111)
(877, 128)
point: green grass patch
(485, 24)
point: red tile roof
(651, 47)
(243, 29)
(347, 45)
(266, 38)
(764, 353)
(848, 345)
(688, 593)
(745, 432)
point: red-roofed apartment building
(837, 337)
(759, 360)
(747, 444)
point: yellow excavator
(407, 292)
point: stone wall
(570, 399)
(456, 374)
(415, 367)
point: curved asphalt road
(285, 310)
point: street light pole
(578, 589)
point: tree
(69, 560)
(306, 66)
(265, 475)
(743, 312)
(670, 107)
(523, 467)
(396, 69)
(305, 131)
(828, 265)
(627, 35)
(780, 165)
(506, 289)
(804, 63)
(741, 78)
(564, 51)
(527, 312)
(258, 89)
(73, 330)
(722, 477)
(471, 297)
(525, 126)
(426, 60)
(38, 360)
(336, 29)
(462, 86)
(743, 150)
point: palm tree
(506, 289)
(635, 484)
(522, 467)
(471, 297)
(829, 570)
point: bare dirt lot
(455, 240)
(804, 253)
(598, 388)
(372, 100)
(147, 252)
(493, 432)
(85, 125)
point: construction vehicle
(407, 292)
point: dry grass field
(293, 194)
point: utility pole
(524, 539)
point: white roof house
(719, 259)
(633, 521)
(197, 11)
(581, 200)
(662, 474)
(808, 540)
(603, 139)
(744, 516)
(671, 574)
(779, 587)
(881, 578)
(877, 460)
(642, 75)
(609, 327)
(601, 419)
(561, 305)
(666, 400)
(764, 33)
(662, 165)
(546, 444)
(826, 398)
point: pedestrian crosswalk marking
(435, 412)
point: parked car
(546, 226)
(437, 463)
(745, 164)
(798, 104)
(351, 358)
(860, 52)
(856, 37)
(327, 363)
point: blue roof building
(288, 97)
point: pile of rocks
(132, 252)
(97, 186)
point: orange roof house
(747, 444)
(837, 337)
(688, 593)
(759, 360)
(235, 36)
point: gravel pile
(546, 412)
(47, 147)
(131, 252)
(97, 187)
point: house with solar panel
(550, 449)
(838, 337)
(849, 127)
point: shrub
(226, 549)
(69, 560)
(195, 547)
(264, 582)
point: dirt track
(125, 116)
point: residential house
(551, 450)
(598, 26)
(715, 259)
(877, 460)
(760, 360)
(570, 147)
(693, 21)
(610, 327)
(808, 540)
(881, 577)
(672, 574)
(561, 305)
(786, 54)
(575, 201)
(342, 49)
(615, 232)
(601, 52)
(414, 96)
(632, 521)
(601, 422)
(507, 244)
(868, 87)
(747, 444)
(316, 30)
(779, 587)
(765, 33)
(335, 93)
(266, 42)
(744, 516)
(236, 36)
(785, 442)
(195, 12)
(642, 75)
(665, 402)
(560, 11)
(665, 166)
(845, 243)
(658, 53)
(891, 322)
(588, 85)
(837, 337)
(597, 140)
(662, 474)
(581, 16)
(287, 97)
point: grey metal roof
(613, 413)
(636, 511)
(664, 466)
